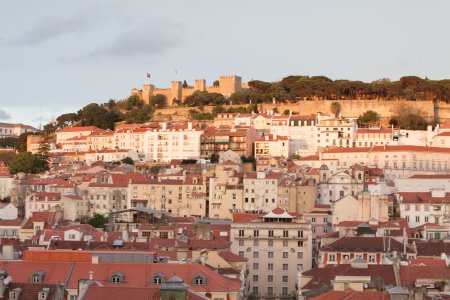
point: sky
(58, 56)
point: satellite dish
(7, 280)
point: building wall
(276, 257)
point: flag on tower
(149, 75)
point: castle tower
(147, 92)
(175, 92)
(200, 85)
(230, 84)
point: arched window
(117, 277)
(38, 277)
(199, 279)
(158, 279)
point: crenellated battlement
(228, 85)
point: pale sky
(57, 56)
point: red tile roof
(363, 244)
(410, 274)
(120, 293)
(81, 128)
(423, 197)
(324, 276)
(352, 295)
(231, 257)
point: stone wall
(350, 108)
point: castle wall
(350, 108)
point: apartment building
(277, 246)
(273, 145)
(71, 132)
(172, 141)
(424, 207)
(14, 130)
(261, 190)
(100, 140)
(368, 137)
(396, 161)
(217, 140)
(335, 132)
(226, 190)
(300, 129)
(185, 195)
(39, 202)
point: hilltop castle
(227, 86)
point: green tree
(368, 118)
(27, 162)
(7, 157)
(218, 109)
(184, 85)
(286, 112)
(98, 221)
(128, 160)
(49, 129)
(335, 108)
(158, 100)
(96, 115)
(43, 154)
(21, 145)
(214, 158)
(66, 120)
(133, 101)
(137, 115)
(8, 142)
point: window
(158, 279)
(241, 253)
(270, 233)
(285, 278)
(270, 266)
(270, 254)
(241, 242)
(255, 242)
(417, 219)
(241, 232)
(285, 254)
(371, 258)
(38, 277)
(285, 233)
(256, 233)
(285, 243)
(426, 219)
(199, 279)
(285, 290)
(255, 277)
(255, 266)
(270, 242)
(331, 257)
(299, 254)
(285, 267)
(116, 277)
(300, 234)
(256, 254)
(255, 290)
(270, 290)
(270, 278)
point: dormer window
(158, 279)
(15, 294)
(199, 279)
(117, 277)
(38, 277)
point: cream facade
(277, 246)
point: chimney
(164, 126)
(189, 125)
(91, 275)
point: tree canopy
(368, 119)
(27, 162)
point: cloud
(4, 115)
(143, 39)
(50, 28)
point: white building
(395, 161)
(273, 145)
(277, 246)
(8, 212)
(172, 141)
(335, 132)
(109, 155)
(424, 207)
(261, 190)
(38, 202)
(10, 130)
(71, 132)
(6, 182)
